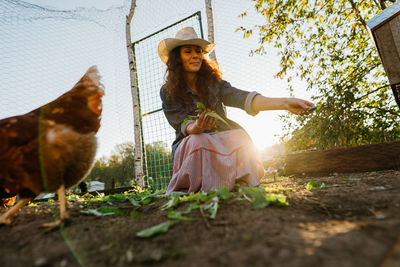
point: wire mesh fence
(47, 45)
(157, 133)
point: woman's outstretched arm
(295, 105)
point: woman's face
(192, 57)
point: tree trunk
(135, 102)
(210, 26)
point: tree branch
(377, 3)
(367, 94)
(355, 9)
(383, 5)
(384, 110)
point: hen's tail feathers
(93, 74)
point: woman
(208, 153)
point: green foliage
(351, 179)
(179, 215)
(116, 171)
(119, 169)
(314, 185)
(260, 199)
(157, 229)
(103, 211)
(209, 113)
(327, 44)
(205, 201)
(158, 164)
(212, 207)
(171, 203)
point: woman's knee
(198, 139)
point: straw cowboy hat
(186, 36)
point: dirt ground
(353, 221)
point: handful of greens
(209, 113)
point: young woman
(207, 152)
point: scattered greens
(212, 207)
(351, 179)
(103, 211)
(207, 202)
(157, 229)
(179, 215)
(261, 199)
(313, 185)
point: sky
(47, 46)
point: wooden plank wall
(374, 157)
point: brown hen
(52, 147)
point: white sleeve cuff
(247, 103)
(183, 128)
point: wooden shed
(385, 30)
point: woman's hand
(201, 125)
(299, 106)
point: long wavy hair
(209, 74)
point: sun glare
(265, 129)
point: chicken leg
(5, 218)
(63, 210)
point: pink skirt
(208, 160)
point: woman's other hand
(201, 125)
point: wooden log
(374, 157)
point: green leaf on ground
(212, 207)
(223, 193)
(103, 211)
(197, 197)
(260, 199)
(314, 185)
(146, 200)
(278, 200)
(157, 229)
(178, 215)
(351, 179)
(172, 203)
(111, 210)
(135, 202)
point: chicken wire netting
(47, 45)
(157, 133)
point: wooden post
(135, 102)
(210, 26)
(385, 30)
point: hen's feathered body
(53, 147)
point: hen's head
(81, 107)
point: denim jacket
(221, 94)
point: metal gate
(157, 134)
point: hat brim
(167, 45)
